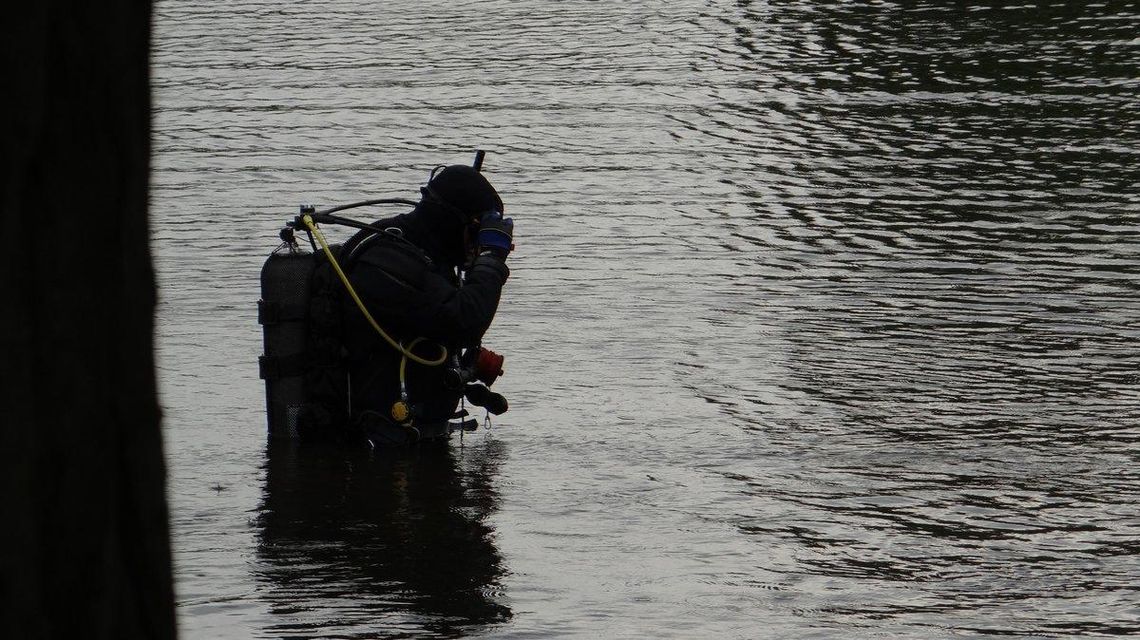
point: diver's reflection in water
(380, 544)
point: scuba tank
(282, 312)
(306, 382)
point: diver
(432, 279)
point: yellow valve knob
(400, 411)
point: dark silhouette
(85, 543)
(411, 286)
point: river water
(822, 322)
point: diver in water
(409, 279)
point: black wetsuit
(410, 287)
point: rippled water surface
(823, 320)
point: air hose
(407, 353)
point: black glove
(495, 234)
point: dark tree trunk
(84, 543)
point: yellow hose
(404, 364)
(407, 353)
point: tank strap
(277, 367)
(274, 312)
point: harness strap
(277, 367)
(269, 313)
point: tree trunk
(84, 542)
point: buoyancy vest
(305, 365)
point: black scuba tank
(306, 380)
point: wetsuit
(408, 282)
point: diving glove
(496, 234)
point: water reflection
(379, 545)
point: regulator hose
(407, 353)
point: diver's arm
(461, 315)
(407, 298)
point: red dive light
(488, 366)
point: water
(823, 318)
